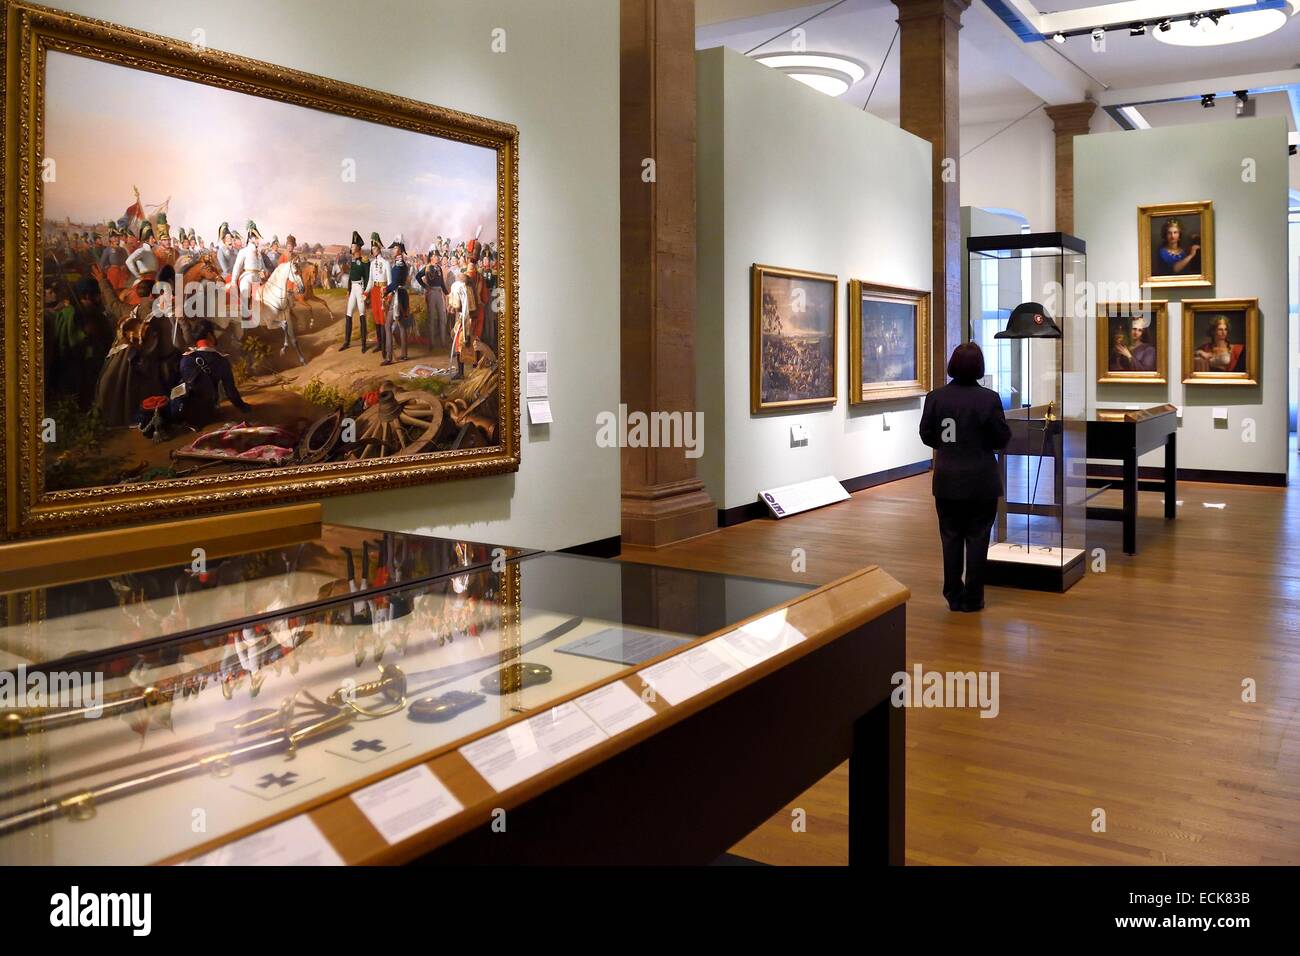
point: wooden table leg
(877, 787)
(1130, 501)
(1171, 476)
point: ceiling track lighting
(1207, 101)
(1203, 28)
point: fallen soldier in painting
(205, 374)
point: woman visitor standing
(964, 424)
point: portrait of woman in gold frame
(1133, 342)
(792, 343)
(393, 451)
(1176, 244)
(889, 342)
(1221, 342)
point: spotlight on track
(1058, 37)
(1195, 19)
(1165, 26)
(1098, 35)
(1137, 30)
(1207, 101)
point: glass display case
(159, 712)
(1027, 310)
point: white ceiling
(862, 29)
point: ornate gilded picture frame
(197, 352)
(792, 342)
(1221, 342)
(889, 342)
(1176, 244)
(1133, 342)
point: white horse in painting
(272, 303)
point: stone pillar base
(657, 515)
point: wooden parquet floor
(1124, 694)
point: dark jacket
(964, 463)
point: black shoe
(955, 602)
(971, 607)
(344, 346)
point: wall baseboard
(728, 517)
(603, 548)
(1155, 472)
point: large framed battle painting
(792, 338)
(228, 284)
(889, 342)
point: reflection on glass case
(1028, 313)
(356, 674)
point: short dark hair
(967, 363)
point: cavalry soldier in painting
(142, 263)
(376, 285)
(399, 315)
(358, 269)
(227, 254)
(250, 269)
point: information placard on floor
(804, 496)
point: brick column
(930, 109)
(663, 500)
(1068, 121)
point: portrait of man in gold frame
(1221, 342)
(1133, 342)
(889, 342)
(792, 344)
(395, 442)
(1176, 244)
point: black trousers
(964, 526)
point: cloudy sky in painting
(228, 157)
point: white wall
(1114, 173)
(790, 177)
(558, 82)
(1013, 168)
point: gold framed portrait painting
(214, 273)
(792, 338)
(1221, 341)
(1176, 244)
(1133, 342)
(889, 342)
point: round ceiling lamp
(827, 73)
(1230, 28)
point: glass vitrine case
(173, 708)
(1027, 308)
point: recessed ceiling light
(1220, 28)
(827, 73)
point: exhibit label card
(539, 411)
(693, 672)
(615, 707)
(538, 374)
(510, 756)
(407, 803)
(295, 842)
(623, 645)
